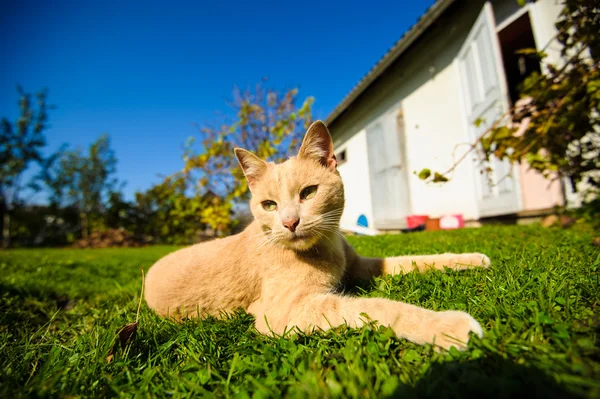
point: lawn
(539, 305)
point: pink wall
(537, 192)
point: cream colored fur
(287, 279)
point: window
(341, 157)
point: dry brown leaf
(566, 221)
(126, 333)
(125, 336)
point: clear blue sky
(145, 71)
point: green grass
(539, 305)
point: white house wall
(544, 14)
(434, 127)
(426, 86)
(355, 174)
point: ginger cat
(285, 267)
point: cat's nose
(291, 223)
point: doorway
(515, 36)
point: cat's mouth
(295, 237)
(300, 241)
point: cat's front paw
(485, 260)
(466, 261)
(452, 328)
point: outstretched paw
(467, 261)
(453, 328)
(484, 260)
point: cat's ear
(317, 145)
(253, 166)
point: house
(416, 109)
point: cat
(285, 267)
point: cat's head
(299, 202)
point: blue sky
(144, 72)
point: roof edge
(408, 38)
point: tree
(168, 214)
(267, 122)
(555, 126)
(119, 212)
(21, 143)
(85, 181)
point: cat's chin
(301, 243)
(306, 242)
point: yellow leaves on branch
(267, 123)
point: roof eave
(430, 16)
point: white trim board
(522, 11)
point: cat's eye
(308, 193)
(269, 205)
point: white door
(387, 172)
(485, 97)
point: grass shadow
(29, 306)
(489, 377)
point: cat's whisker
(337, 210)
(329, 215)
(255, 236)
(328, 228)
(322, 219)
(333, 215)
(329, 218)
(337, 232)
(270, 240)
(330, 225)
(330, 222)
(324, 236)
(321, 227)
(258, 245)
(264, 242)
